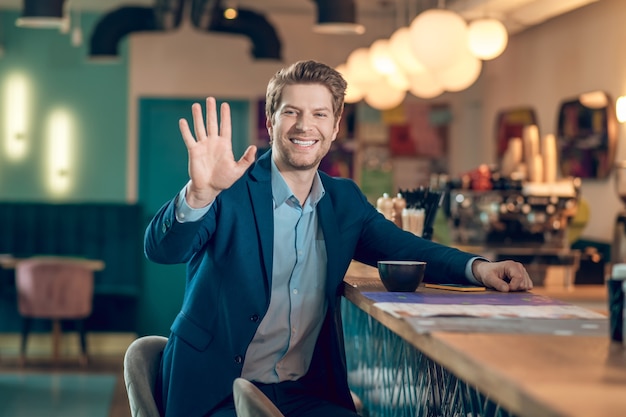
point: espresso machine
(533, 215)
(527, 223)
(618, 250)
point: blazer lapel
(261, 200)
(328, 222)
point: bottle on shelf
(384, 205)
(399, 204)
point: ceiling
(517, 15)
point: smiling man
(267, 245)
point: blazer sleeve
(167, 241)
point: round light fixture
(402, 51)
(487, 38)
(380, 57)
(382, 96)
(461, 74)
(398, 80)
(424, 85)
(361, 69)
(353, 92)
(438, 37)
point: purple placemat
(489, 298)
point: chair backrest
(141, 366)
(251, 401)
(53, 287)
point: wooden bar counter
(532, 374)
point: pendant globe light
(487, 38)
(402, 52)
(424, 85)
(360, 68)
(382, 96)
(438, 37)
(380, 57)
(398, 80)
(353, 92)
(461, 74)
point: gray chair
(251, 402)
(141, 365)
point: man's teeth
(303, 142)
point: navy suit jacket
(228, 282)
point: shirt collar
(282, 192)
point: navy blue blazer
(229, 271)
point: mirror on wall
(586, 135)
(511, 124)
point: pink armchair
(54, 288)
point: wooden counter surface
(533, 375)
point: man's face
(303, 127)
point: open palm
(212, 166)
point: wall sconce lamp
(16, 112)
(41, 14)
(59, 152)
(620, 109)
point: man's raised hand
(212, 165)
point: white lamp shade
(398, 80)
(487, 38)
(380, 57)
(360, 68)
(382, 96)
(424, 85)
(353, 92)
(402, 51)
(461, 74)
(438, 37)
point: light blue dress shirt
(282, 347)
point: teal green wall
(94, 93)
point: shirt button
(254, 318)
(238, 359)
(295, 291)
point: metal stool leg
(56, 340)
(80, 326)
(26, 322)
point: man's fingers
(212, 128)
(198, 122)
(518, 277)
(186, 133)
(521, 284)
(225, 126)
(248, 157)
(501, 286)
